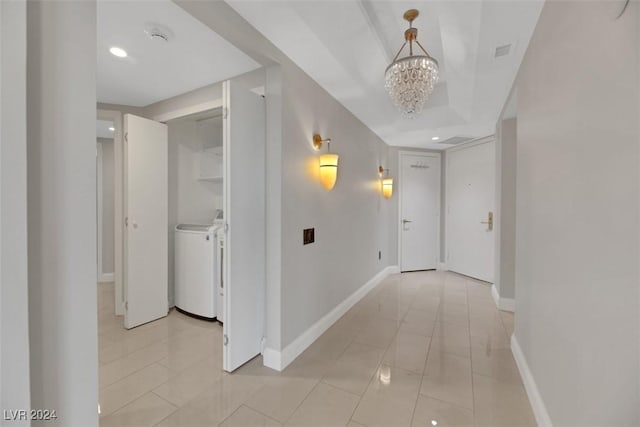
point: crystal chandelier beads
(410, 80)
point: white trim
(442, 266)
(391, 269)
(280, 360)
(504, 304)
(272, 359)
(399, 225)
(537, 404)
(186, 111)
(106, 277)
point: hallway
(420, 348)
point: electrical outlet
(308, 236)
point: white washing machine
(196, 269)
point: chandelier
(409, 80)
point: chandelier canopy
(410, 80)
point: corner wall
(61, 192)
(577, 212)
(505, 218)
(14, 307)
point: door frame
(447, 235)
(118, 207)
(401, 154)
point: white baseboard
(537, 404)
(504, 304)
(442, 266)
(106, 277)
(279, 360)
(392, 269)
(272, 359)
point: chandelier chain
(399, 52)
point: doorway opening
(187, 296)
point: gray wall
(108, 199)
(14, 310)
(577, 213)
(351, 222)
(505, 215)
(61, 70)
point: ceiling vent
(457, 140)
(502, 50)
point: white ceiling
(346, 45)
(155, 70)
(102, 129)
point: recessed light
(119, 52)
(111, 128)
(435, 138)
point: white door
(419, 211)
(146, 219)
(244, 212)
(470, 202)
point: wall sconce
(328, 163)
(387, 183)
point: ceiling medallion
(410, 80)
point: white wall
(186, 103)
(14, 310)
(195, 201)
(108, 199)
(577, 279)
(505, 214)
(61, 40)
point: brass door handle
(489, 221)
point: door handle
(404, 224)
(489, 221)
(405, 221)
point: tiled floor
(421, 348)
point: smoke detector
(158, 32)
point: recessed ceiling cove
(346, 46)
(169, 52)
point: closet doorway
(146, 231)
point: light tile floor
(420, 348)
